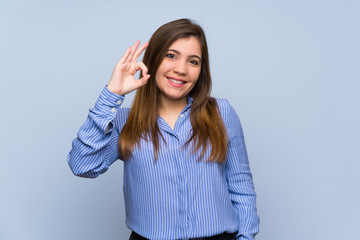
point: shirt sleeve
(239, 178)
(95, 147)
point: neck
(171, 106)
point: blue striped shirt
(176, 197)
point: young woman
(186, 171)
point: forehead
(187, 46)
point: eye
(170, 55)
(194, 62)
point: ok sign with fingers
(123, 80)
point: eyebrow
(191, 56)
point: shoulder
(230, 117)
(226, 109)
(223, 104)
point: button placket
(181, 181)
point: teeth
(176, 81)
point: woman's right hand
(123, 80)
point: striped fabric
(176, 197)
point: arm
(95, 147)
(239, 178)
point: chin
(175, 97)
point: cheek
(159, 73)
(195, 75)
(164, 65)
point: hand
(122, 80)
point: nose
(180, 68)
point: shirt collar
(190, 100)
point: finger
(125, 56)
(133, 50)
(141, 66)
(142, 81)
(139, 51)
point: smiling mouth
(176, 81)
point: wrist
(114, 90)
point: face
(179, 70)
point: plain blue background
(290, 69)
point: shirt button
(181, 115)
(113, 110)
(119, 102)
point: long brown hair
(206, 121)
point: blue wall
(290, 69)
